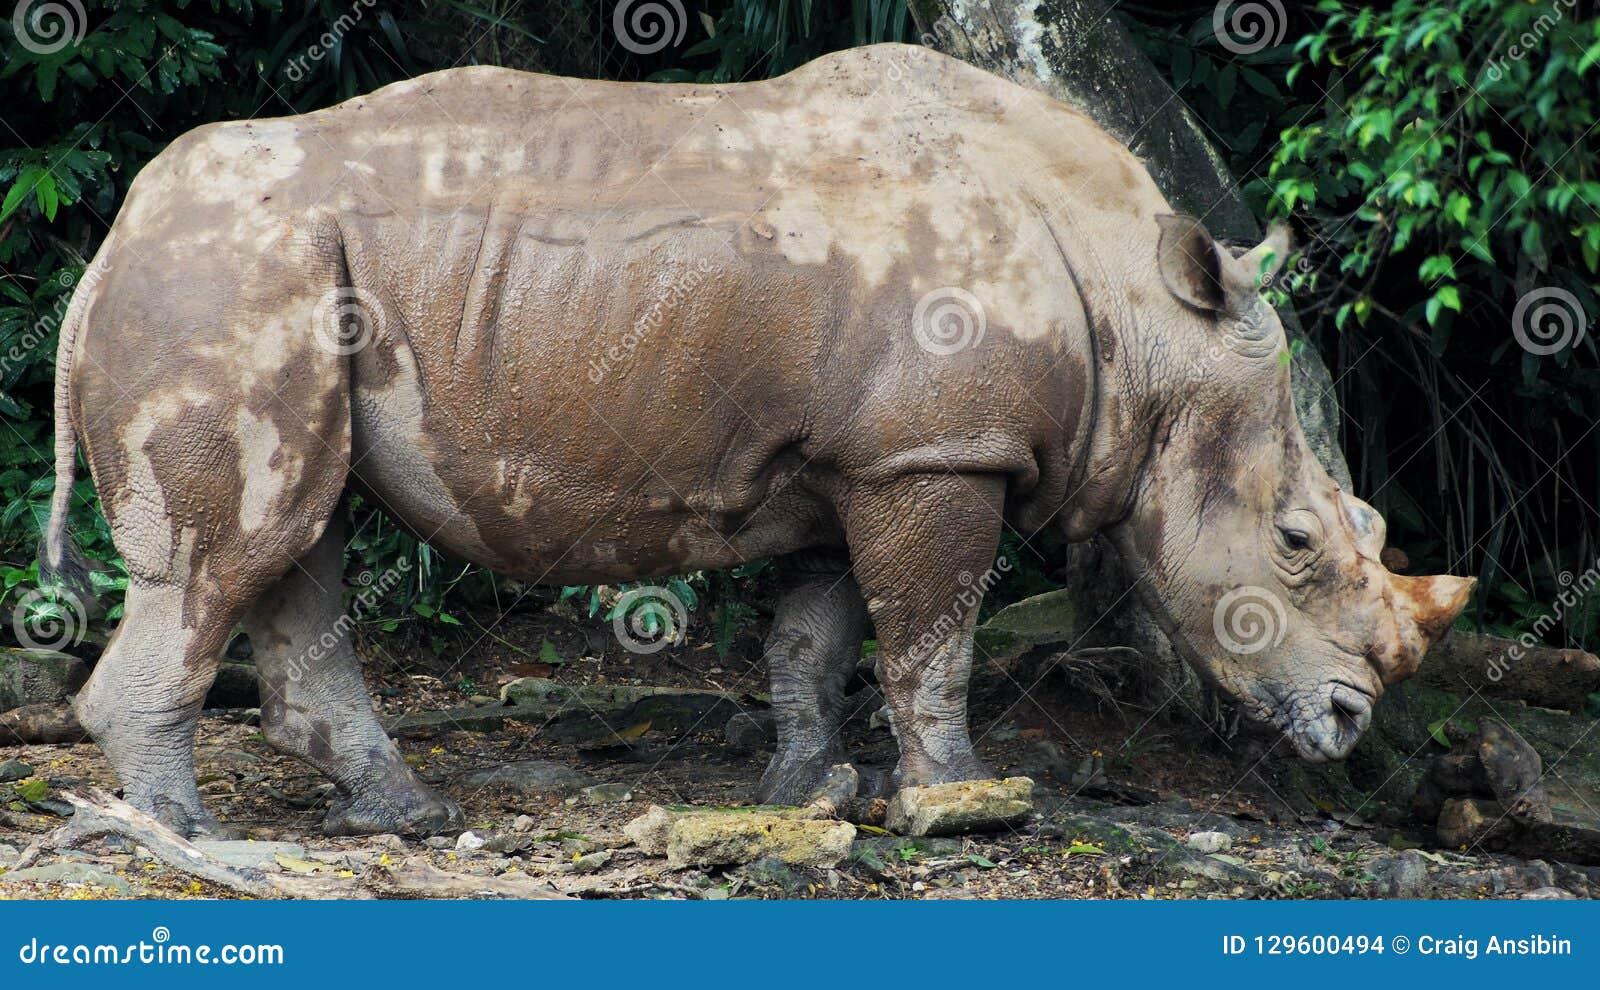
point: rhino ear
(1192, 266)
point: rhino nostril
(1352, 710)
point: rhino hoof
(791, 781)
(421, 814)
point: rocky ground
(553, 761)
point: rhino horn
(1426, 607)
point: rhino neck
(1128, 401)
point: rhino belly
(554, 516)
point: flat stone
(245, 854)
(470, 842)
(1549, 894)
(966, 806)
(607, 794)
(690, 836)
(530, 777)
(719, 839)
(1207, 843)
(70, 873)
(12, 770)
(590, 862)
(1042, 620)
(38, 677)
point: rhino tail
(61, 563)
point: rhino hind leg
(816, 636)
(142, 704)
(316, 707)
(922, 547)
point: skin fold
(863, 317)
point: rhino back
(650, 314)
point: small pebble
(469, 841)
(1209, 842)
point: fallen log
(43, 723)
(97, 814)
(1467, 663)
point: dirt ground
(1119, 793)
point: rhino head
(1264, 573)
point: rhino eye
(1295, 539)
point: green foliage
(1447, 174)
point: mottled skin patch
(679, 340)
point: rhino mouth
(1323, 723)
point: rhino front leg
(315, 706)
(920, 547)
(812, 648)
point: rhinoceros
(865, 317)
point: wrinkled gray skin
(608, 332)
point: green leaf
(1436, 730)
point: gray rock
(12, 770)
(1207, 843)
(1468, 822)
(590, 862)
(1549, 894)
(246, 854)
(607, 794)
(1042, 620)
(1404, 876)
(524, 823)
(38, 677)
(470, 842)
(967, 806)
(530, 777)
(8, 854)
(747, 733)
(71, 873)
